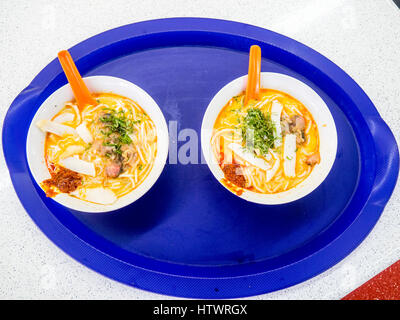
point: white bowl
(55, 102)
(315, 105)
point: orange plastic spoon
(253, 79)
(81, 92)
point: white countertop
(360, 36)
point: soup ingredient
(249, 156)
(233, 172)
(276, 111)
(258, 131)
(285, 126)
(64, 117)
(313, 159)
(78, 165)
(297, 127)
(129, 155)
(116, 130)
(84, 133)
(289, 155)
(117, 122)
(56, 128)
(271, 173)
(113, 169)
(98, 195)
(72, 150)
(296, 124)
(63, 179)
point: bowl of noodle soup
(106, 156)
(273, 150)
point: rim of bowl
(101, 84)
(314, 104)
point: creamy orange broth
(144, 143)
(227, 130)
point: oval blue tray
(188, 236)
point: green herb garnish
(258, 131)
(117, 128)
(117, 146)
(117, 122)
(89, 145)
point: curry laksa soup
(101, 153)
(267, 146)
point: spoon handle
(253, 79)
(79, 88)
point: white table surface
(361, 36)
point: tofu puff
(101, 153)
(267, 146)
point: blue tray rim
(189, 286)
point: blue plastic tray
(188, 236)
